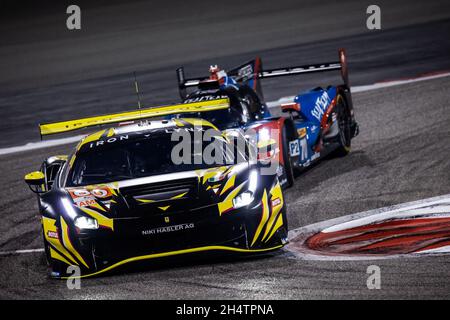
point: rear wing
(248, 73)
(252, 71)
(71, 125)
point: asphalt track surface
(402, 153)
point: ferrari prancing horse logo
(167, 219)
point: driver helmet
(215, 73)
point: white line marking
(445, 249)
(370, 87)
(271, 104)
(394, 83)
(41, 144)
(14, 252)
(422, 210)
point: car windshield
(222, 119)
(147, 157)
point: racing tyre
(287, 168)
(345, 130)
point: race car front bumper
(202, 230)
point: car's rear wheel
(344, 122)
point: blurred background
(49, 73)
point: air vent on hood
(161, 191)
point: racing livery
(320, 121)
(119, 197)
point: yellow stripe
(57, 256)
(271, 221)
(50, 225)
(113, 191)
(178, 123)
(199, 122)
(276, 193)
(145, 200)
(264, 217)
(72, 160)
(98, 206)
(229, 184)
(91, 138)
(110, 132)
(164, 208)
(278, 224)
(70, 125)
(227, 204)
(68, 244)
(179, 196)
(102, 220)
(213, 187)
(177, 252)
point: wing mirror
(36, 181)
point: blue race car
(319, 122)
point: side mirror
(36, 181)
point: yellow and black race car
(120, 197)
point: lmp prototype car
(120, 197)
(320, 121)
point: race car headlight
(246, 197)
(242, 200)
(82, 222)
